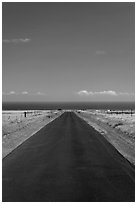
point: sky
(72, 51)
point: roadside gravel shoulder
(121, 141)
(22, 131)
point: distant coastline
(67, 105)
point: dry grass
(16, 128)
(118, 129)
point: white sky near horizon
(68, 52)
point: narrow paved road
(67, 160)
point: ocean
(67, 105)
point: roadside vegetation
(17, 126)
(118, 127)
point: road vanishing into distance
(67, 161)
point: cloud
(24, 92)
(9, 93)
(16, 40)
(12, 92)
(40, 93)
(34, 94)
(109, 92)
(83, 92)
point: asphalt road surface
(67, 161)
